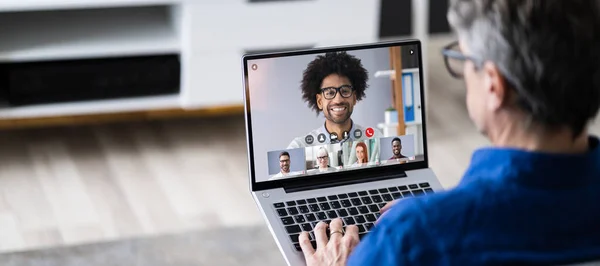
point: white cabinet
(210, 36)
(221, 31)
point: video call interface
(316, 114)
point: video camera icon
(333, 136)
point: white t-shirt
(281, 175)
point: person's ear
(495, 87)
(320, 101)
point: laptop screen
(316, 113)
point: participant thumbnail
(397, 149)
(361, 153)
(322, 159)
(286, 163)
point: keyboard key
(406, 194)
(377, 199)
(413, 186)
(332, 197)
(366, 200)
(321, 199)
(353, 195)
(377, 215)
(293, 229)
(294, 238)
(393, 189)
(401, 188)
(359, 219)
(299, 218)
(321, 216)
(381, 205)
(429, 190)
(324, 206)
(387, 197)
(303, 209)
(373, 208)
(311, 217)
(314, 224)
(301, 202)
(383, 190)
(363, 209)
(287, 220)
(349, 221)
(370, 217)
(292, 210)
(278, 205)
(314, 207)
(368, 226)
(282, 212)
(363, 193)
(335, 204)
(396, 195)
(342, 196)
(331, 214)
(373, 192)
(362, 235)
(291, 203)
(418, 192)
(353, 211)
(342, 213)
(356, 202)
(307, 227)
(361, 228)
(311, 200)
(423, 185)
(346, 203)
(298, 248)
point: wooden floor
(71, 185)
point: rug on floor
(223, 246)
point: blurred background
(123, 138)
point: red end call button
(369, 132)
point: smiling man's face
(339, 109)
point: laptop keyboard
(359, 208)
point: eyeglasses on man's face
(330, 92)
(455, 60)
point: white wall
(219, 32)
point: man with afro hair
(332, 84)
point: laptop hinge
(320, 185)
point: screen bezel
(354, 174)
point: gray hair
(546, 51)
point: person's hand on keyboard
(387, 206)
(332, 250)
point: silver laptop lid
(325, 116)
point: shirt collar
(535, 168)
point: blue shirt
(511, 207)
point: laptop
(335, 132)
